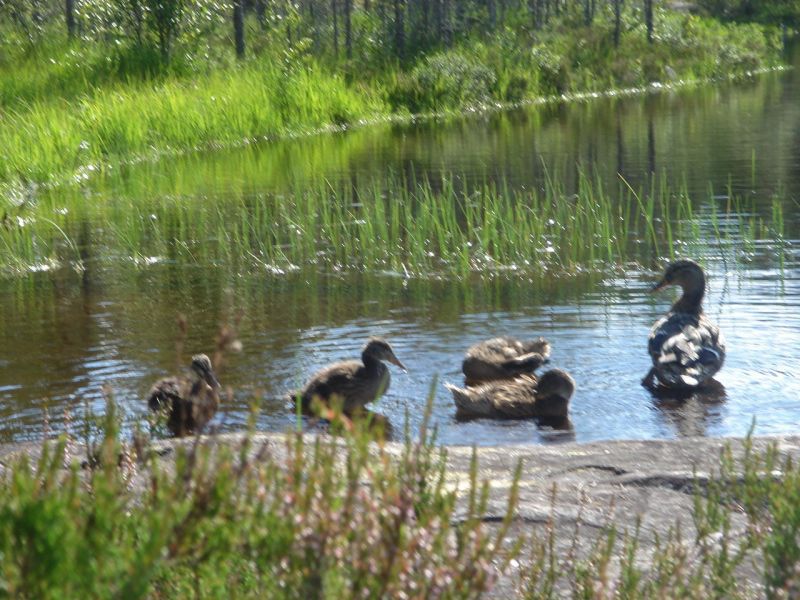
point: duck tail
(538, 346)
(467, 402)
(527, 363)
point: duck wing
(686, 349)
(499, 399)
(348, 382)
(166, 392)
(503, 357)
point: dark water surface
(64, 334)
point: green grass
(64, 109)
(412, 228)
(51, 138)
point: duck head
(690, 277)
(379, 349)
(201, 366)
(555, 383)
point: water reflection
(692, 412)
(64, 334)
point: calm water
(64, 334)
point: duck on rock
(686, 347)
(503, 358)
(351, 384)
(188, 402)
(522, 398)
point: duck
(525, 397)
(503, 358)
(686, 347)
(189, 402)
(352, 384)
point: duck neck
(370, 362)
(691, 301)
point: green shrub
(445, 81)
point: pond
(66, 333)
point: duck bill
(212, 380)
(658, 287)
(395, 361)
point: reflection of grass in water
(410, 227)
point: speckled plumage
(522, 398)
(503, 358)
(686, 347)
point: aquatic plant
(410, 227)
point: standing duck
(686, 347)
(352, 383)
(503, 358)
(189, 402)
(522, 398)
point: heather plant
(327, 517)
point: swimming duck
(352, 383)
(189, 402)
(503, 358)
(522, 398)
(686, 347)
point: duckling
(189, 402)
(352, 383)
(522, 398)
(503, 358)
(686, 347)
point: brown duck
(522, 398)
(351, 384)
(189, 402)
(686, 347)
(503, 358)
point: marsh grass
(405, 226)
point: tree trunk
(617, 21)
(348, 27)
(238, 27)
(70, 14)
(492, 8)
(399, 29)
(648, 19)
(261, 13)
(335, 16)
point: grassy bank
(66, 108)
(419, 228)
(341, 517)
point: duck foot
(648, 381)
